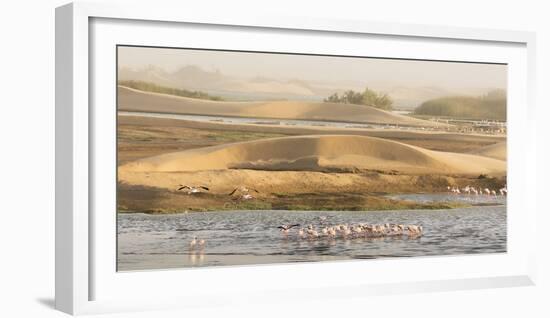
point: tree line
(368, 97)
(150, 87)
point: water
(251, 237)
(462, 198)
(264, 121)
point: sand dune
(319, 153)
(497, 151)
(135, 100)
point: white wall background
(27, 157)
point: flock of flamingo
(240, 193)
(346, 231)
(477, 191)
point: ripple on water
(251, 237)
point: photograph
(232, 158)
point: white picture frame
(85, 281)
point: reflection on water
(251, 237)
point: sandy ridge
(134, 100)
(320, 153)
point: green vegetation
(491, 106)
(174, 203)
(368, 98)
(150, 87)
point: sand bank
(326, 153)
(134, 100)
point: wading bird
(193, 242)
(201, 243)
(414, 229)
(503, 191)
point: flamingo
(193, 189)
(286, 228)
(247, 196)
(193, 243)
(242, 189)
(201, 243)
(313, 233)
(414, 229)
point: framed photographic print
(228, 153)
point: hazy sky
(321, 68)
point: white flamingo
(414, 229)
(193, 243)
(247, 196)
(313, 233)
(503, 191)
(201, 243)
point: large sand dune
(320, 153)
(134, 100)
(497, 151)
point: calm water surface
(263, 121)
(251, 237)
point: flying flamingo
(193, 189)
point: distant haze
(242, 75)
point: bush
(490, 106)
(367, 98)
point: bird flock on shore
(478, 191)
(240, 193)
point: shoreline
(374, 203)
(293, 168)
